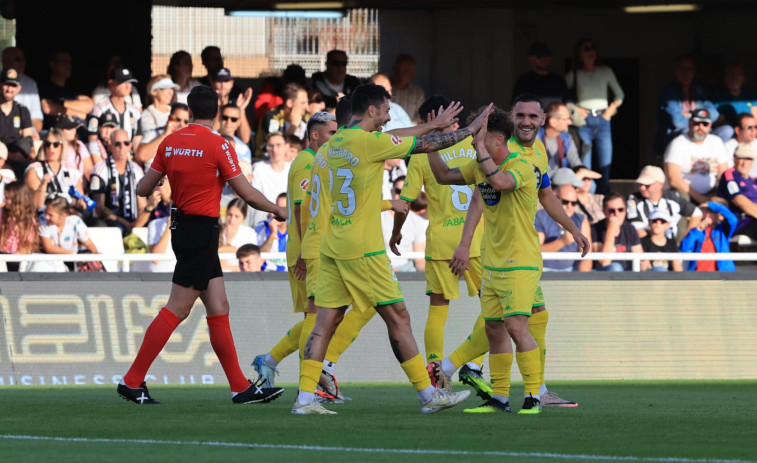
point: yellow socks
(310, 374)
(433, 336)
(500, 366)
(537, 326)
(475, 346)
(288, 344)
(529, 366)
(307, 329)
(416, 372)
(479, 324)
(347, 331)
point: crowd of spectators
(90, 148)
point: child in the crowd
(63, 232)
(656, 241)
(713, 234)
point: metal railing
(125, 260)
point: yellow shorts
(364, 283)
(314, 268)
(504, 294)
(299, 296)
(538, 298)
(441, 280)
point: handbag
(90, 265)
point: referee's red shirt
(198, 164)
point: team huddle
(483, 182)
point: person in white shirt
(63, 232)
(694, 161)
(270, 176)
(413, 231)
(745, 131)
(234, 232)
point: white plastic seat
(108, 241)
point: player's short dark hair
(527, 98)
(499, 121)
(367, 95)
(344, 111)
(432, 103)
(203, 102)
(247, 249)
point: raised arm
(437, 141)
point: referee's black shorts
(195, 243)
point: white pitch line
(557, 456)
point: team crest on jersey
(169, 150)
(490, 196)
(396, 141)
(538, 175)
(304, 184)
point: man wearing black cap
(15, 123)
(101, 127)
(548, 86)
(695, 160)
(228, 92)
(127, 114)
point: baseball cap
(222, 75)
(659, 214)
(63, 121)
(565, 176)
(107, 119)
(9, 76)
(164, 83)
(745, 151)
(539, 49)
(700, 115)
(122, 75)
(650, 175)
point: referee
(198, 163)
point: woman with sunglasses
(49, 176)
(178, 118)
(591, 83)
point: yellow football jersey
(510, 239)
(297, 184)
(356, 162)
(319, 206)
(447, 204)
(536, 155)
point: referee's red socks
(156, 337)
(223, 345)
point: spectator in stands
(413, 232)
(103, 90)
(50, 176)
(160, 94)
(657, 241)
(732, 100)
(316, 103)
(290, 117)
(100, 129)
(158, 205)
(78, 156)
(58, 96)
(249, 259)
(273, 236)
(553, 238)
(589, 204)
(592, 82)
(14, 58)
(18, 223)
(178, 118)
(405, 92)
(127, 114)
(614, 234)
(398, 118)
(16, 129)
(231, 119)
(269, 176)
(678, 101)
(694, 161)
(540, 80)
(334, 81)
(158, 231)
(213, 61)
(713, 234)
(63, 231)
(180, 70)
(562, 150)
(739, 188)
(295, 146)
(745, 130)
(234, 232)
(223, 83)
(113, 186)
(6, 175)
(652, 196)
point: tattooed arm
(437, 141)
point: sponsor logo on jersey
(396, 141)
(537, 173)
(304, 184)
(168, 151)
(490, 196)
(183, 152)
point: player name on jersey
(340, 152)
(449, 155)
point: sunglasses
(616, 211)
(119, 143)
(229, 118)
(749, 127)
(659, 221)
(338, 63)
(565, 202)
(178, 119)
(48, 144)
(706, 124)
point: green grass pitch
(682, 421)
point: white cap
(164, 83)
